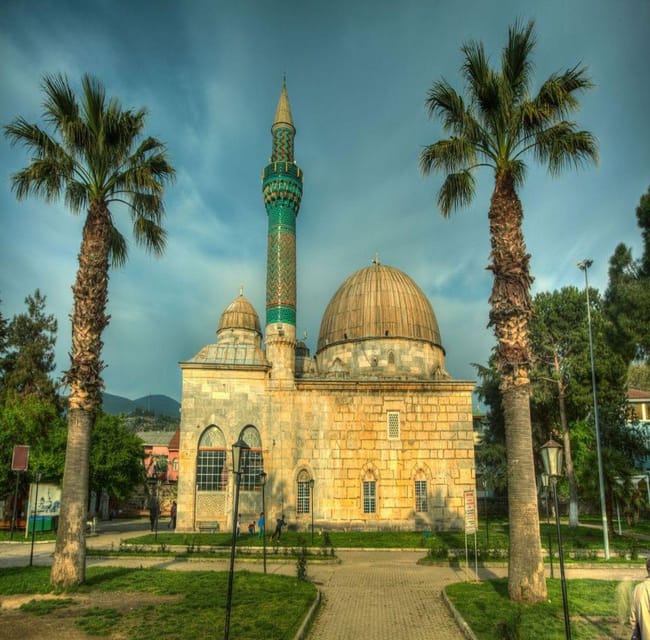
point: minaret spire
(282, 191)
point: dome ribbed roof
(378, 302)
(240, 314)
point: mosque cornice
(386, 386)
(224, 366)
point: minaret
(282, 190)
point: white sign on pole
(470, 512)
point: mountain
(159, 405)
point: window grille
(393, 423)
(250, 477)
(304, 492)
(369, 496)
(421, 503)
(211, 470)
(253, 463)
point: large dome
(378, 302)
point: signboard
(48, 502)
(20, 458)
(470, 512)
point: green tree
(496, 125)
(638, 376)
(116, 457)
(27, 420)
(627, 298)
(94, 157)
(562, 387)
(29, 351)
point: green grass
(264, 606)
(593, 610)
(580, 544)
(19, 536)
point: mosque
(370, 432)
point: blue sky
(210, 74)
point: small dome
(378, 302)
(240, 314)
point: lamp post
(263, 483)
(34, 507)
(584, 266)
(311, 504)
(545, 484)
(552, 458)
(239, 450)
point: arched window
(421, 495)
(369, 494)
(304, 493)
(211, 472)
(254, 463)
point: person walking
(640, 614)
(154, 512)
(260, 525)
(172, 516)
(279, 523)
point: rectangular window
(303, 497)
(421, 504)
(393, 425)
(211, 470)
(369, 496)
(250, 477)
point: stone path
(383, 595)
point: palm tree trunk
(84, 378)
(510, 312)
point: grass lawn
(594, 607)
(580, 544)
(138, 603)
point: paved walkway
(370, 594)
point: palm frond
(76, 195)
(448, 155)
(444, 102)
(562, 146)
(150, 235)
(42, 178)
(516, 65)
(118, 250)
(456, 191)
(483, 82)
(556, 98)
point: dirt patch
(62, 622)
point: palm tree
(95, 157)
(495, 126)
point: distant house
(161, 454)
(639, 402)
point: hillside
(158, 405)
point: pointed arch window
(304, 496)
(254, 463)
(211, 473)
(369, 494)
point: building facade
(370, 432)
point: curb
(460, 621)
(304, 627)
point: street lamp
(311, 488)
(584, 266)
(545, 484)
(239, 450)
(552, 458)
(263, 483)
(34, 507)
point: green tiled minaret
(282, 190)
